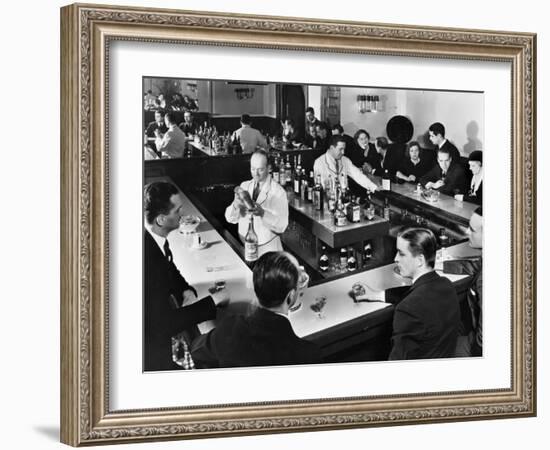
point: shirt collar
(442, 143)
(158, 239)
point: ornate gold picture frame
(87, 31)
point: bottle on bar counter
(318, 194)
(386, 209)
(288, 172)
(310, 186)
(282, 172)
(276, 172)
(340, 219)
(251, 243)
(297, 180)
(323, 260)
(352, 261)
(343, 258)
(386, 182)
(367, 253)
(354, 211)
(303, 186)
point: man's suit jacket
(453, 151)
(425, 320)
(392, 161)
(162, 315)
(455, 178)
(263, 338)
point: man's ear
(290, 296)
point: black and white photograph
(296, 224)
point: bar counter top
(202, 267)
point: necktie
(167, 251)
(256, 191)
(337, 167)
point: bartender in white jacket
(334, 165)
(271, 206)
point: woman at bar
(475, 193)
(413, 167)
(362, 153)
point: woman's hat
(476, 155)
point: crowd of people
(426, 322)
(173, 102)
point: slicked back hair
(421, 241)
(274, 276)
(156, 199)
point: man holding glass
(170, 304)
(265, 337)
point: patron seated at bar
(475, 193)
(174, 142)
(387, 158)
(188, 126)
(157, 124)
(334, 164)
(290, 133)
(311, 120)
(312, 140)
(265, 337)
(324, 134)
(447, 176)
(249, 137)
(427, 315)
(436, 132)
(270, 212)
(170, 304)
(413, 167)
(363, 152)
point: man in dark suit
(427, 314)
(265, 337)
(436, 132)
(157, 124)
(387, 158)
(448, 176)
(170, 304)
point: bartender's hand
(258, 211)
(189, 297)
(221, 297)
(438, 184)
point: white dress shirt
(250, 138)
(173, 143)
(326, 165)
(273, 199)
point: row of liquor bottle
(335, 196)
(349, 258)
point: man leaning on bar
(427, 315)
(339, 167)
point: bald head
(258, 166)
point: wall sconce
(368, 103)
(244, 93)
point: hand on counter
(221, 297)
(189, 297)
(363, 293)
(435, 185)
